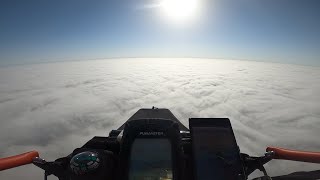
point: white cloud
(149, 5)
(57, 107)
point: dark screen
(151, 159)
(216, 153)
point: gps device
(151, 159)
(150, 150)
(215, 152)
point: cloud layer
(57, 107)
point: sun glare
(180, 10)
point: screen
(151, 159)
(216, 154)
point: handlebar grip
(293, 155)
(18, 160)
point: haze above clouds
(57, 107)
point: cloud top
(59, 106)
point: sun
(180, 10)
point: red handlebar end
(18, 160)
(293, 155)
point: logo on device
(151, 133)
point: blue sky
(286, 31)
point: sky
(285, 31)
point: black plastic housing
(143, 128)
